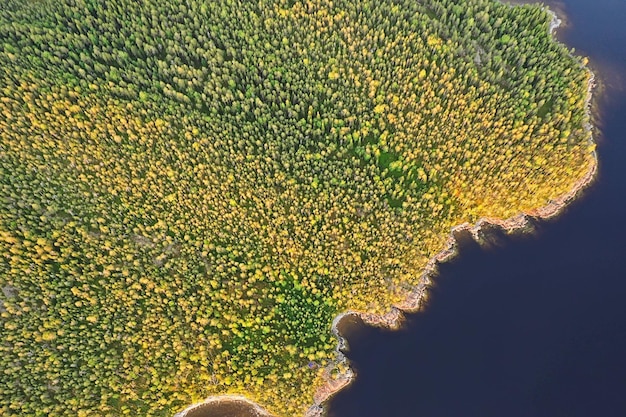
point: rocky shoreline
(415, 300)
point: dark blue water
(535, 325)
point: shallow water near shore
(528, 325)
(222, 410)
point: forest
(191, 191)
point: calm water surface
(535, 325)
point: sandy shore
(240, 406)
(224, 406)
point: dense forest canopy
(191, 190)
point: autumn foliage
(191, 190)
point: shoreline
(226, 400)
(414, 300)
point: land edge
(413, 302)
(255, 409)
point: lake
(529, 326)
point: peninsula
(191, 192)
